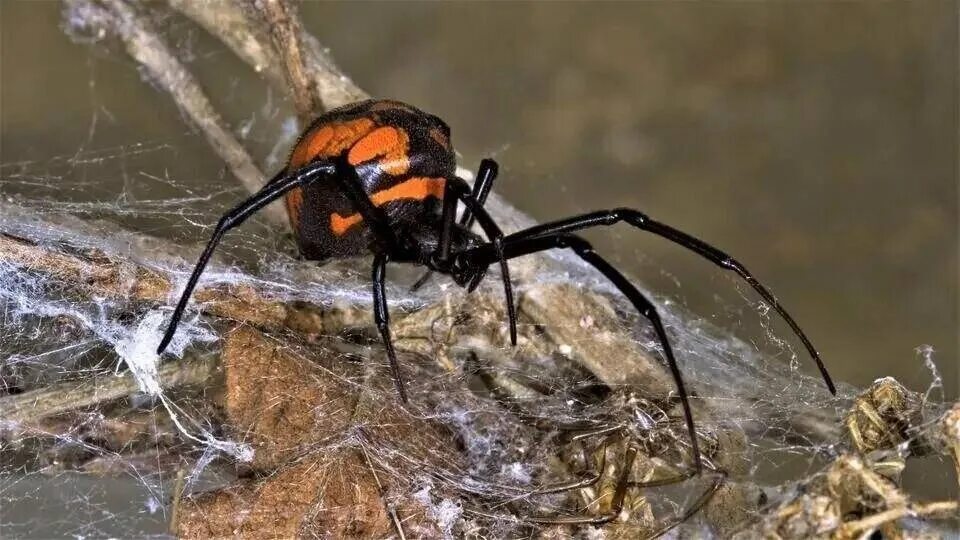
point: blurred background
(816, 142)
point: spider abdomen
(402, 156)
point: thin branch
(144, 44)
(230, 22)
(240, 27)
(285, 28)
(72, 395)
(333, 86)
(99, 275)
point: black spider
(379, 176)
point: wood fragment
(71, 395)
(286, 31)
(240, 26)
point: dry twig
(286, 31)
(239, 27)
(144, 44)
(72, 395)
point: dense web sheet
(486, 424)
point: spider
(378, 176)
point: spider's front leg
(457, 188)
(486, 174)
(277, 187)
(350, 183)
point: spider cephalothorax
(379, 177)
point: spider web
(110, 468)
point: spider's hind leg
(277, 187)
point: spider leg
(481, 188)
(641, 221)
(697, 505)
(507, 290)
(447, 218)
(381, 317)
(273, 190)
(350, 183)
(486, 174)
(518, 246)
(496, 237)
(616, 504)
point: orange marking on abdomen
(340, 225)
(388, 143)
(294, 202)
(417, 188)
(329, 140)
